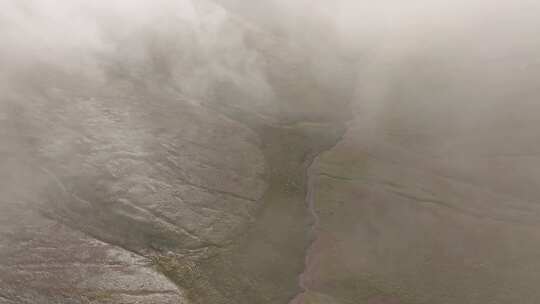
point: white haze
(447, 66)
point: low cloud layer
(436, 60)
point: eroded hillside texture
(272, 151)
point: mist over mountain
(302, 152)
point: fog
(97, 96)
(462, 72)
(88, 37)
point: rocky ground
(185, 167)
(129, 185)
